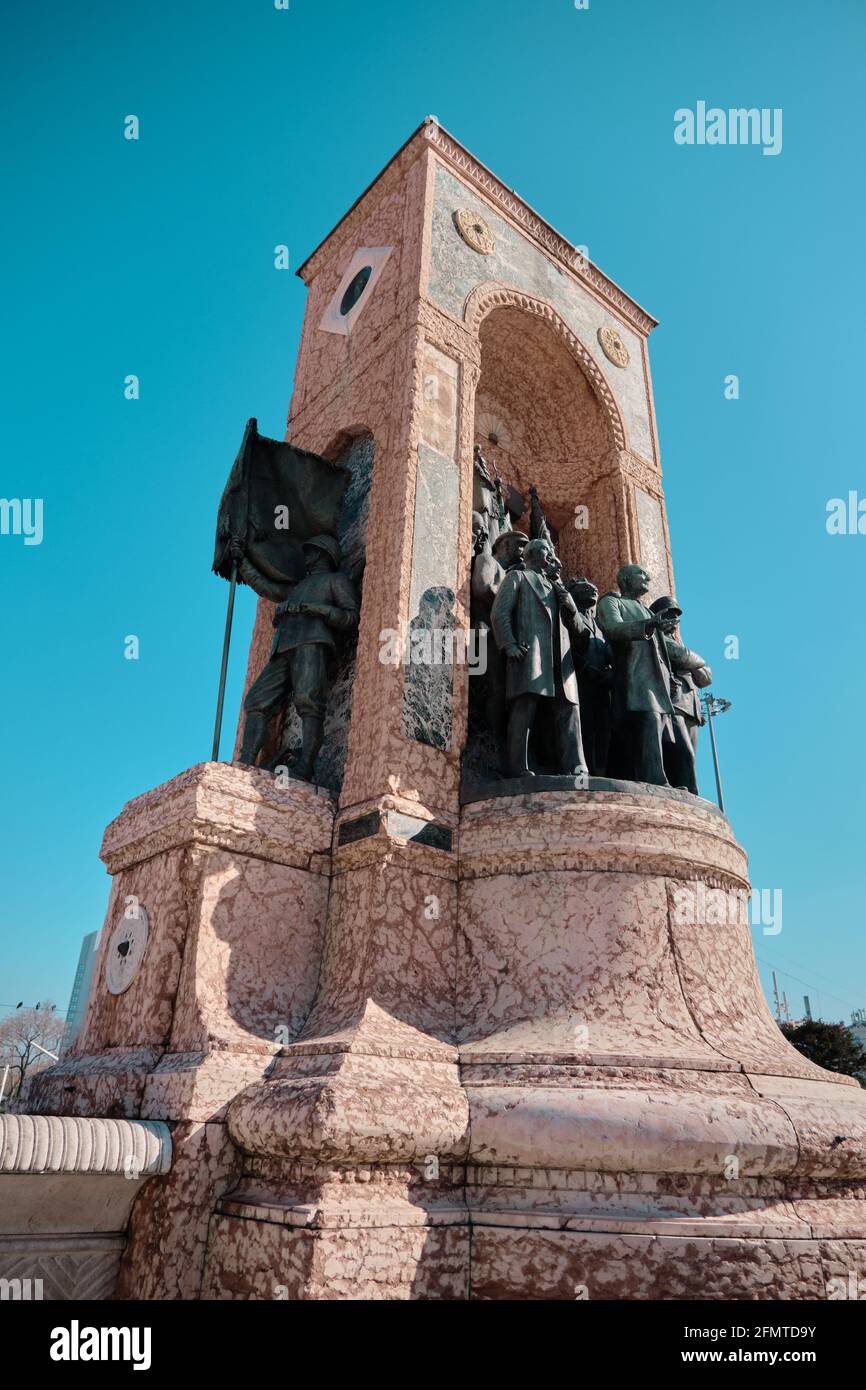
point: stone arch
(491, 295)
(342, 440)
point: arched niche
(544, 414)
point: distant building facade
(81, 986)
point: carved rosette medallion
(492, 428)
(126, 949)
(613, 346)
(474, 231)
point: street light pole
(713, 706)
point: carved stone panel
(439, 401)
(59, 1270)
(428, 688)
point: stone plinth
(232, 870)
(612, 1106)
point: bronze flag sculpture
(277, 497)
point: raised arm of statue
(681, 658)
(264, 587)
(578, 628)
(616, 626)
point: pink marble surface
(650, 1131)
(565, 1266)
(263, 1260)
(221, 804)
(530, 1004)
(251, 958)
(391, 938)
(109, 1083)
(363, 1108)
(142, 1015)
(635, 832)
(232, 870)
(716, 965)
(570, 963)
(168, 1231)
(200, 1085)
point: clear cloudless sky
(261, 126)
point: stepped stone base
(527, 1059)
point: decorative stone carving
(492, 426)
(613, 346)
(62, 1272)
(645, 474)
(126, 949)
(535, 226)
(475, 231)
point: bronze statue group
(576, 685)
(573, 685)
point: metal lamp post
(714, 705)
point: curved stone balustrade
(42, 1144)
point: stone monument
(399, 1031)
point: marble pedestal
(521, 1056)
(611, 1112)
(232, 870)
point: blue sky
(155, 257)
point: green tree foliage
(829, 1045)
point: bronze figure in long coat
(642, 706)
(535, 621)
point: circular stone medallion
(474, 231)
(613, 346)
(126, 950)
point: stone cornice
(600, 832)
(227, 806)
